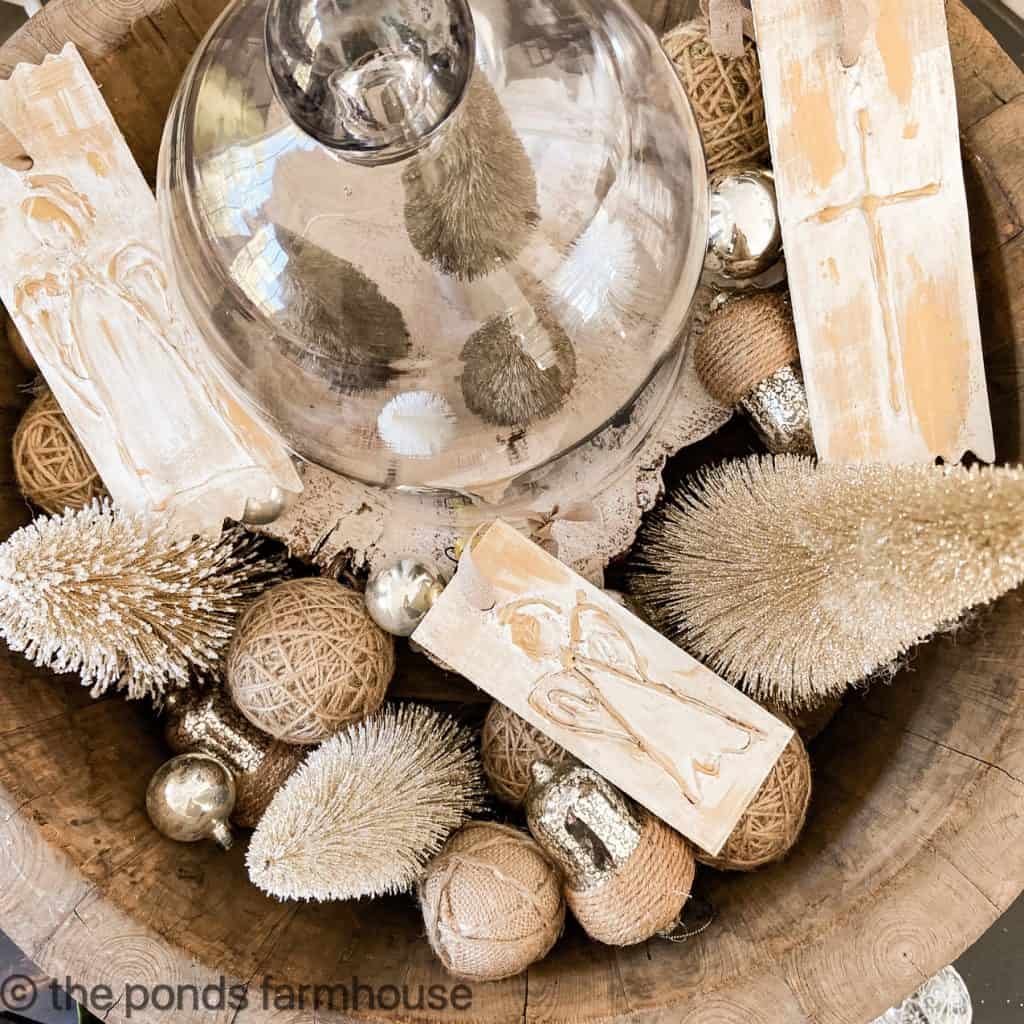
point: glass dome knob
(370, 79)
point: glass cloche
(438, 245)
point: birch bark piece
(604, 685)
(83, 278)
(874, 218)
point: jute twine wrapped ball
(492, 902)
(307, 659)
(725, 94)
(645, 895)
(771, 825)
(50, 464)
(509, 746)
(744, 343)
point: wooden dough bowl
(916, 839)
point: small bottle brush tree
(797, 580)
(119, 599)
(368, 808)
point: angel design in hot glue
(105, 328)
(596, 656)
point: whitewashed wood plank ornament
(603, 684)
(83, 278)
(863, 125)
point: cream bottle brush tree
(122, 600)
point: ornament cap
(221, 831)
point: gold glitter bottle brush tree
(797, 580)
(119, 599)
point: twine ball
(725, 95)
(509, 746)
(492, 902)
(306, 659)
(744, 343)
(771, 825)
(50, 464)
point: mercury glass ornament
(584, 823)
(942, 999)
(439, 244)
(190, 798)
(745, 237)
(204, 720)
(399, 596)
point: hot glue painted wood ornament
(82, 274)
(863, 126)
(604, 685)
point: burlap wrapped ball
(509, 745)
(725, 95)
(50, 464)
(492, 902)
(307, 659)
(771, 825)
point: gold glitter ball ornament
(51, 466)
(627, 874)
(203, 720)
(509, 747)
(492, 902)
(307, 659)
(770, 827)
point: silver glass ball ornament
(264, 511)
(744, 236)
(190, 798)
(399, 596)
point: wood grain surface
(915, 842)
